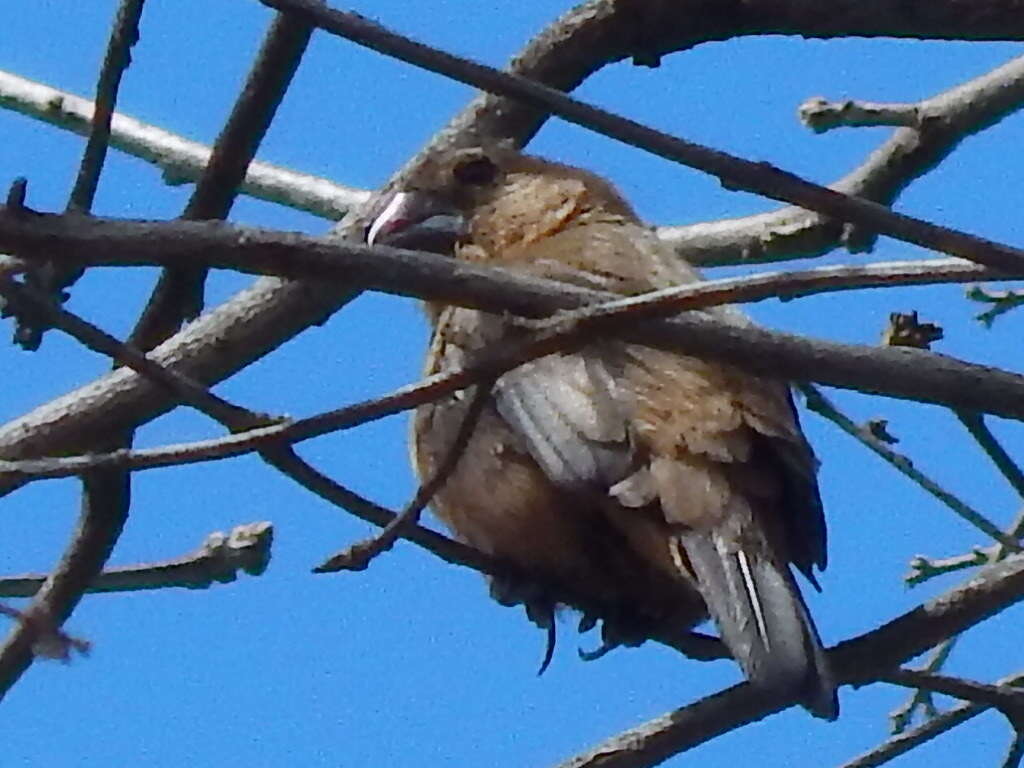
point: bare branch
(923, 568)
(178, 295)
(1006, 698)
(23, 302)
(1001, 301)
(855, 661)
(273, 311)
(124, 242)
(1015, 751)
(118, 56)
(902, 716)
(99, 527)
(217, 560)
(106, 496)
(48, 277)
(180, 159)
(734, 172)
(821, 115)
(818, 403)
(909, 153)
(358, 556)
(983, 436)
(563, 333)
(936, 726)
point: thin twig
(975, 424)
(921, 376)
(122, 242)
(903, 716)
(1001, 301)
(1005, 698)
(23, 301)
(936, 726)
(559, 337)
(106, 495)
(117, 59)
(51, 641)
(908, 153)
(924, 568)
(358, 556)
(818, 403)
(821, 115)
(50, 277)
(856, 661)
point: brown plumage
(658, 486)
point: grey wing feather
(566, 408)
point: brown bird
(658, 486)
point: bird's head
(503, 197)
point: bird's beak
(405, 210)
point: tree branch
(217, 560)
(180, 159)
(856, 661)
(936, 726)
(734, 172)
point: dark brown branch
(118, 56)
(562, 334)
(734, 172)
(106, 496)
(358, 556)
(24, 302)
(885, 370)
(48, 277)
(271, 312)
(125, 242)
(178, 295)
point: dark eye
(477, 172)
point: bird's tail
(762, 617)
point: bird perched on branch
(646, 488)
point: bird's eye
(476, 172)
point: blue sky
(409, 663)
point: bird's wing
(569, 408)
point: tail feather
(762, 618)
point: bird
(660, 487)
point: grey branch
(181, 160)
(216, 561)
(821, 115)
(790, 233)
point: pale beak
(405, 210)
